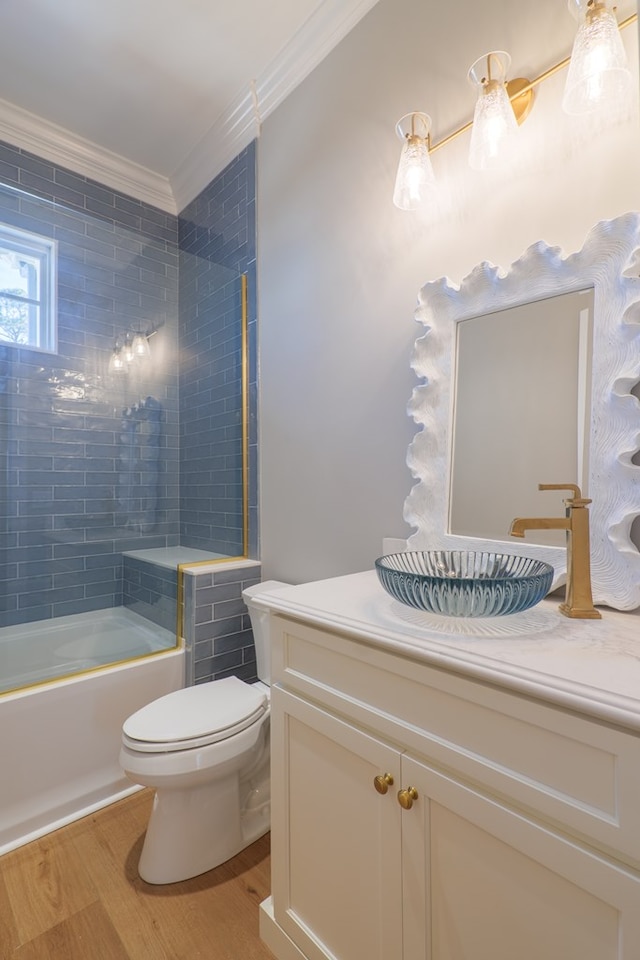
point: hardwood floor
(76, 895)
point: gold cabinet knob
(382, 782)
(406, 797)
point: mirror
(527, 372)
(518, 370)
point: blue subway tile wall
(217, 627)
(91, 461)
(216, 238)
(70, 501)
(150, 590)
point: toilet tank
(260, 625)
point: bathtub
(60, 740)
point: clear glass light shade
(127, 351)
(415, 179)
(494, 122)
(116, 361)
(140, 346)
(598, 73)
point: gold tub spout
(578, 601)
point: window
(27, 289)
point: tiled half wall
(217, 630)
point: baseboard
(274, 936)
(77, 814)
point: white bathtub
(59, 742)
(51, 649)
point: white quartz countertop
(588, 665)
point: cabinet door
(336, 850)
(483, 882)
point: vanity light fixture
(609, 82)
(415, 178)
(598, 73)
(128, 350)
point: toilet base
(184, 838)
(197, 826)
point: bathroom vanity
(451, 789)
(469, 789)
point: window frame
(43, 334)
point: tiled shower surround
(62, 415)
(91, 459)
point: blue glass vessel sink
(463, 583)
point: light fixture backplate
(521, 102)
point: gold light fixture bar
(520, 93)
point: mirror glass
(526, 376)
(517, 371)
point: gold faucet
(578, 600)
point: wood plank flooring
(76, 895)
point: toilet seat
(195, 716)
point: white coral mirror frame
(609, 262)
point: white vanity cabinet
(337, 859)
(520, 834)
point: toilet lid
(195, 716)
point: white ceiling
(155, 96)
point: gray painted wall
(340, 267)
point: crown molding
(323, 31)
(229, 135)
(240, 124)
(51, 142)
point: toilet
(205, 751)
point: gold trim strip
(179, 605)
(530, 86)
(244, 281)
